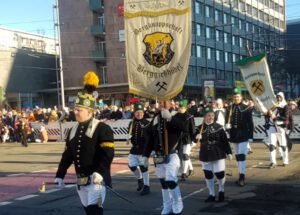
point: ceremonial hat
(207, 110)
(237, 90)
(183, 103)
(138, 106)
(86, 99)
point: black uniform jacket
(89, 153)
(241, 123)
(156, 141)
(214, 144)
(189, 131)
(139, 133)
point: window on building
(208, 11)
(219, 55)
(208, 32)
(225, 37)
(197, 7)
(241, 42)
(226, 57)
(254, 12)
(218, 35)
(199, 54)
(225, 18)
(249, 9)
(234, 58)
(208, 50)
(218, 15)
(198, 30)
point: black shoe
(272, 165)
(210, 199)
(241, 181)
(145, 191)
(140, 185)
(191, 172)
(183, 177)
(221, 197)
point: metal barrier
(59, 131)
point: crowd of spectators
(9, 119)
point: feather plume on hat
(91, 81)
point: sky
(36, 16)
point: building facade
(224, 31)
(291, 63)
(27, 65)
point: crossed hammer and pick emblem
(257, 87)
(161, 86)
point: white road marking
(70, 185)
(18, 174)
(26, 197)
(43, 170)
(5, 203)
(52, 190)
(194, 193)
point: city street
(23, 170)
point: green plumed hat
(183, 103)
(237, 90)
(85, 100)
(207, 110)
(138, 106)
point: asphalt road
(23, 170)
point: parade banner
(256, 74)
(158, 46)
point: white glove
(166, 114)
(97, 178)
(229, 156)
(227, 126)
(250, 140)
(193, 144)
(199, 136)
(59, 182)
(145, 161)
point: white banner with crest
(158, 46)
(256, 74)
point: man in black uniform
(165, 134)
(186, 138)
(214, 148)
(240, 126)
(137, 137)
(90, 147)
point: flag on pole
(158, 46)
(256, 75)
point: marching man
(240, 126)
(89, 145)
(276, 124)
(165, 133)
(214, 148)
(137, 163)
(186, 140)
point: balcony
(96, 5)
(98, 30)
(99, 55)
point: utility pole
(56, 54)
(61, 72)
